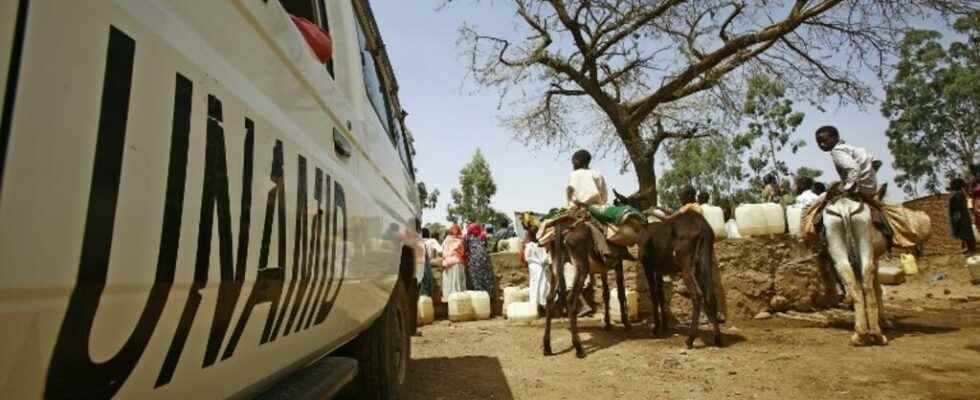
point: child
(537, 259)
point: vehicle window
(314, 11)
(376, 94)
(301, 8)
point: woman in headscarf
(453, 262)
(478, 260)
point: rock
(947, 291)
(929, 295)
(891, 276)
(779, 303)
(763, 315)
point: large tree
(933, 106)
(471, 200)
(627, 69)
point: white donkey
(855, 246)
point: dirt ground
(934, 353)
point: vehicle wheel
(383, 351)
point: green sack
(611, 214)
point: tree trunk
(642, 157)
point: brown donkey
(683, 246)
(576, 239)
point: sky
(451, 120)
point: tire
(383, 351)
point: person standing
(960, 224)
(770, 189)
(478, 268)
(432, 249)
(975, 192)
(453, 262)
(804, 192)
(537, 259)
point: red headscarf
(454, 230)
(474, 229)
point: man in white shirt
(585, 188)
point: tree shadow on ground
(467, 377)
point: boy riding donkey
(857, 169)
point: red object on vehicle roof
(317, 38)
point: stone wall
(774, 273)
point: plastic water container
(749, 219)
(481, 303)
(909, 265)
(514, 294)
(716, 218)
(891, 276)
(510, 245)
(632, 305)
(794, 216)
(426, 313)
(522, 312)
(731, 230)
(460, 307)
(760, 219)
(973, 264)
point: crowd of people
(465, 261)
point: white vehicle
(192, 205)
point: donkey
(855, 246)
(576, 240)
(683, 246)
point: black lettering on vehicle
(215, 198)
(314, 261)
(315, 284)
(72, 372)
(300, 275)
(340, 205)
(269, 281)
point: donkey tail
(704, 256)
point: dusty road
(934, 354)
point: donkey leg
(621, 294)
(652, 285)
(549, 309)
(607, 325)
(872, 306)
(663, 304)
(697, 299)
(577, 285)
(712, 311)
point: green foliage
(471, 201)
(710, 163)
(427, 199)
(772, 125)
(808, 172)
(933, 106)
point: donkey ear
(620, 198)
(882, 191)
